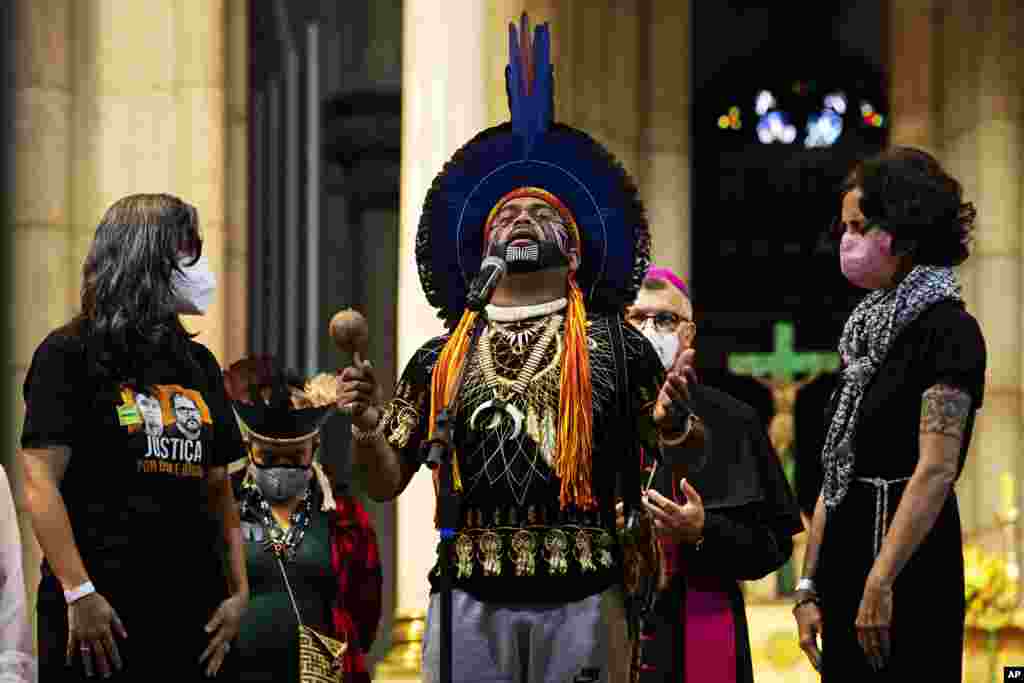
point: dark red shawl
(356, 563)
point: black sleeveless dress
(943, 346)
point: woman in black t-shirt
(126, 439)
(885, 553)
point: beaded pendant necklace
(501, 403)
(282, 543)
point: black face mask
(534, 256)
(282, 482)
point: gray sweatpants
(578, 642)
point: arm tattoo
(944, 411)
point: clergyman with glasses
(727, 518)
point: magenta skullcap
(658, 273)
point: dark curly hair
(912, 197)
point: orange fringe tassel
(442, 384)
(576, 406)
(576, 409)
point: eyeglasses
(664, 321)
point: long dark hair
(128, 302)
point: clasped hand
(672, 522)
(674, 398)
(358, 390)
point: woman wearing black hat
(311, 555)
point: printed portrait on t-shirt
(152, 414)
(177, 425)
(187, 418)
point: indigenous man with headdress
(724, 518)
(293, 522)
(558, 394)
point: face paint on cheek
(496, 236)
(557, 233)
(562, 234)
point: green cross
(783, 364)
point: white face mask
(194, 287)
(666, 344)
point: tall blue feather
(531, 113)
(514, 81)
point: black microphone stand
(440, 456)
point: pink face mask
(867, 260)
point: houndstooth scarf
(867, 336)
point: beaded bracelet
(366, 436)
(805, 600)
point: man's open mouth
(522, 237)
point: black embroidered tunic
(513, 542)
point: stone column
(997, 136)
(665, 186)
(149, 115)
(199, 159)
(955, 89)
(444, 103)
(912, 67)
(44, 294)
(954, 34)
(625, 82)
(234, 289)
(589, 57)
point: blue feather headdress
(532, 150)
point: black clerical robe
(810, 424)
(698, 630)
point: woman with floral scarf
(883, 579)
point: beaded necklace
(283, 544)
(502, 395)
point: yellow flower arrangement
(990, 594)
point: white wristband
(805, 584)
(79, 592)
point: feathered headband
(276, 406)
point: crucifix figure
(778, 371)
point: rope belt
(881, 505)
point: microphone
(491, 271)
